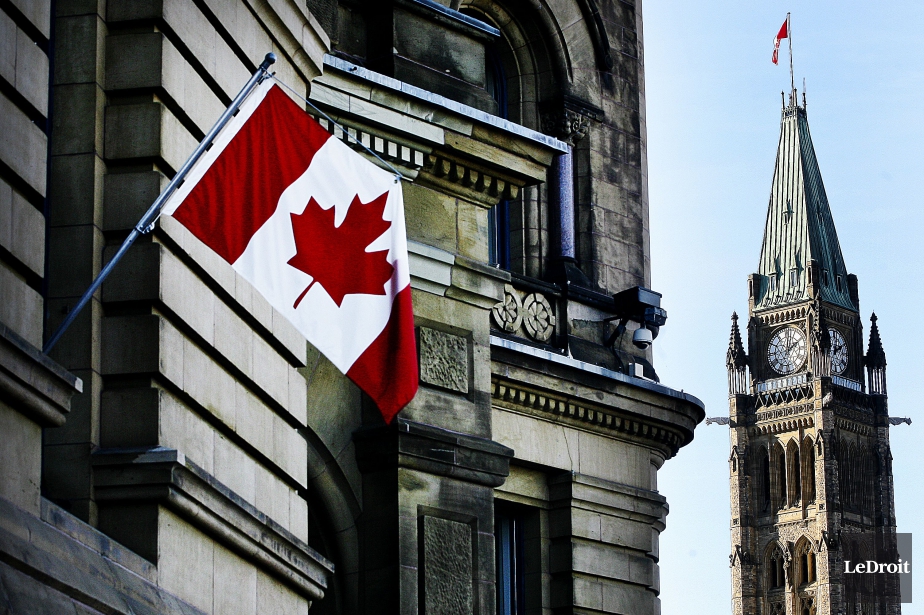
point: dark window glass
(782, 474)
(499, 235)
(499, 216)
(765, 480)
(509, 549)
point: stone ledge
(431, 268)
(476, 283)
(165, 476)
(58, 568)
(547, 384)
(93, 539)
(568, 489)
(467, 111)
(32, 383)
(434, 450)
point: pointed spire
(799, 229)
(735, 358)
(821, 340)
(875, 355)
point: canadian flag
(783, 33)
(319, 231)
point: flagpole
(792, 79)
(146, 224)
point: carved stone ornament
(444, 360)
(538, 317)
(508, 313)
(565, 124)
(447, 566)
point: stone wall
(214, 461)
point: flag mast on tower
(792, 79)
(785, 32)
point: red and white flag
(783, 33)
(319, 231)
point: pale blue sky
(713, 101)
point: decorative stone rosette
(508, 313)
(538, 317)
(532, 316)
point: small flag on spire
(783, 33)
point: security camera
(642, 338)
(641, 305)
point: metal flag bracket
(149, 219)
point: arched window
(779, 463)
(843, 469)
(794, 495)
(871, 480)
(765, 479)
(520, 70)
(852, 477)
(808, 470)
(805, 575)
(776, 575)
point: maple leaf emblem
(335, 256)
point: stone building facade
(182, 449)
(810, 464)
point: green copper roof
(799, 225)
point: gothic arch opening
(760, 473)
(778, 476)
(794, 471)
(806, 569)
(808, 470)
(774, 569)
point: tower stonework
(810, 464)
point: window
(824, 277)
(807, 570)
(808, 473)
(765, 479)
(781, 467)
(777, 577)
(499, 235)
(509, 541)
(840, 284)
(772, 282)
(499, 216)
(795, 475)
(793, 277)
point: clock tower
(810, 464)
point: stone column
(561, 197)
(569, 126)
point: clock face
(786, 352)
(838, 351)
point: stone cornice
(468, 180)
(32, 383)
(608, 421)
(433, 450)
(86, 567)
(165, 476)
(574, 490)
